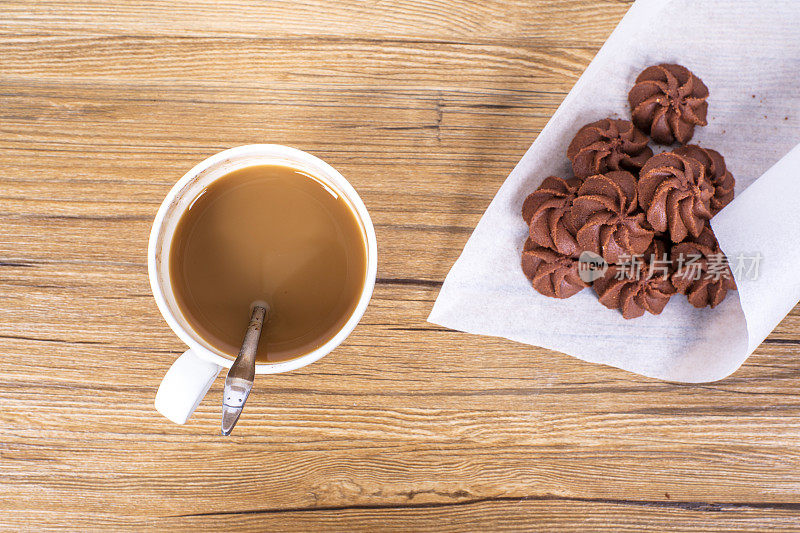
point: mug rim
(268, 150)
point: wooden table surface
(425, 106)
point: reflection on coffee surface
(268, 233)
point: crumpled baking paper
(748, 54)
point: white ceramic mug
(192, 374)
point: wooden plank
(546, 514)
(561, 21)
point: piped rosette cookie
(551, 273)
(675, 195)
(606, 145)
(702, 272)
(716, 172)
(546, 211)
(667, 102)
(638, 285)
(607, 217)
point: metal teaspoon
(240, 377)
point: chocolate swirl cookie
(667, 102)
(546, 212)
(608, 219)
(638, 288)
(675, 194)
(702, 271)
(608, 144)
(716, 172)
(551, 273)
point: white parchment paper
(748, 54)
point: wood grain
(425, 106)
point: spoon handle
(240, 377)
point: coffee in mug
(271, 233)
(257, 222)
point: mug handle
(184, 385)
